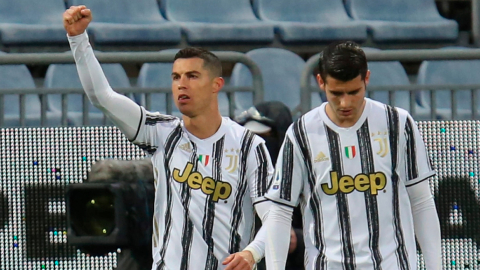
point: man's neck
(203, 126)
(348, 122)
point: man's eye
(354, 93)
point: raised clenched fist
(76, 20)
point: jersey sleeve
(153, 130)
(417, 162)
(287, 182)
(147, 130)
(123, 112)
(260, 171)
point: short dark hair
(210, 60)
(343, 61)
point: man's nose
(343, 101)
(181, 82)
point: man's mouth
(345, 112)
(183, 97)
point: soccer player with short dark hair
(360, 171)
(210, 173)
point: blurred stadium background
(423, 55)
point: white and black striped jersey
(205, 190)
(352, 186)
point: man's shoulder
(378, 107)
(310, 120)
(154, 118)
(238, 133)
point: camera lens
(93, 213)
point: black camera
(106, 215)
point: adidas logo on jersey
(320, 157)
(361, 182)
(217, 189)
(185, 147)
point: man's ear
(218, 84)
(320, 82)
(367, 78)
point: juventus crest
(232, 155)
(381, 140)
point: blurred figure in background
(270, 120)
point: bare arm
(125, 113)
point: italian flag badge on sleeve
(350, 151)
(204, 159)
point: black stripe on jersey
(342, 202)
(148, 148)
(139, 125)
(187, 233)
(281, 203)
(393, 123)
(209, 217)
(237, 213)
(301, 138)
(260, 201)
(412, 169)
(262, 172)
(170, 144)
(287, 170)
(417, 182)
(269, 184)
(368, 167)
(152, 119)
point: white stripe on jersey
(205, 190)
(353, 185)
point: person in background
(270, 120)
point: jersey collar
(358, 124)
(215, 137)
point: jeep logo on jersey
(195, 180)
(362, 182)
